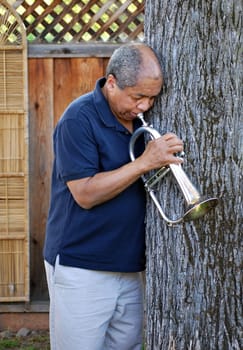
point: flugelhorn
(196, 205)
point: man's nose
(145, 104)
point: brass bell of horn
(197, 206)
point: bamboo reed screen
(14, 217)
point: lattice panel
(61, 21)
(10, 28)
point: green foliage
(8, 343)
(32, 342)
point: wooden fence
(53, 83)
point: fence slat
(74, 76)
(41, 112)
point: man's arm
(101, 187)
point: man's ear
(110, 82)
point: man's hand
(161, 152)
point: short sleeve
(75, 150)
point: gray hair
(125, 64)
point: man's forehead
(148, 88)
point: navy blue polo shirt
(89, 139)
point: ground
(35, 340)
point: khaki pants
(94, 310)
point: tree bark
(194, 270)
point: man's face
(127, 103)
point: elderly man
(95, 246)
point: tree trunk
(194, 270)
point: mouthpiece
(141, 117)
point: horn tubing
(197, 206)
